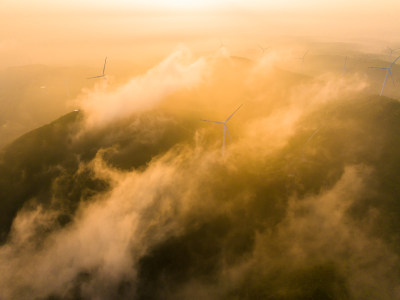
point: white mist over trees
(130, 197)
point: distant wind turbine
(221, 44)
(293, 172)
(302, 59)
(388, 71)
(392, 50)
(263, 49)
(225, 127)
(309, 140)
(102, 75)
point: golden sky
(355, 6)
(78, 31)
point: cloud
(178, 71)
(186, 223)
(316, 246)
(110, 235)
(105, 238)
(318, 230)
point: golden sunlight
(199, 149)
(182, 4)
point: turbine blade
(227, 131)
(391, 75)
(105, 62)
(95, 77)
(394, 61)
(223, 142)
(314, 133)
(384, 83)
(263, 49)
(378, 68)
(213, 121)
(308, 140)
(233, 113)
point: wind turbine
(225, 127)
(392, 50)
(309, 140)
(388, 71)
(302, 59)
(221, 44)
(102, 75)
(263, 49)
(292, 169)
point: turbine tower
(225, 127)
(388, 71)
(102, 75)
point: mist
(116, 188)
(132, 198)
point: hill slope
(303, 206)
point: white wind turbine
(293, 172)
(392, 50)
(302, 59)
(388, 71)
(308, 140)
(263, 49)
(221, 44)
(225, 127)
(102, 75)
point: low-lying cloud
(275, 218)
(178, 71)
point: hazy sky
(288, 5)
(82, 31)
